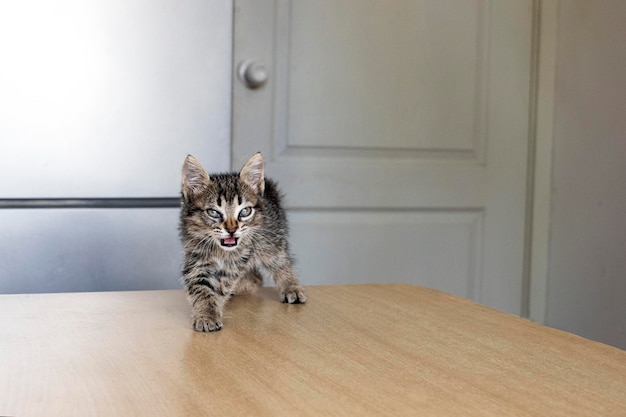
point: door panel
(415, 67)
(389, 108)
(106, 98)
(388, 246)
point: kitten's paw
(206, 324)
(293, 295)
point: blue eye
(245, 212)
(214, 214)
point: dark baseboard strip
(70, 203)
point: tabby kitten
(232, 227)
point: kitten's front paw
(206, 324)
(293, 295)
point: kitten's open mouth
(229, 242)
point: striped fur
(232, 227)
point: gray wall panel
(70, 250)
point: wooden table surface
(351, 350)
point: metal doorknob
(253, 73)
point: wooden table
(351, 350)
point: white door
(398, 131)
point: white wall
(104, 99)
(587, 268)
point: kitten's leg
(281, 269)
(207, 295)
(249, 283)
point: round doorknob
(253, 73)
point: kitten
(232, 227)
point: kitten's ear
(252, 173)
(195, 179)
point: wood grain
(351, 350)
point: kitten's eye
(245, 212)
(214, 214)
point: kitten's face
(222, 210)
(227, 223)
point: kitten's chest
(234, 263)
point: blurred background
(476, 147)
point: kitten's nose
(231, 228)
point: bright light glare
(53, 68)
